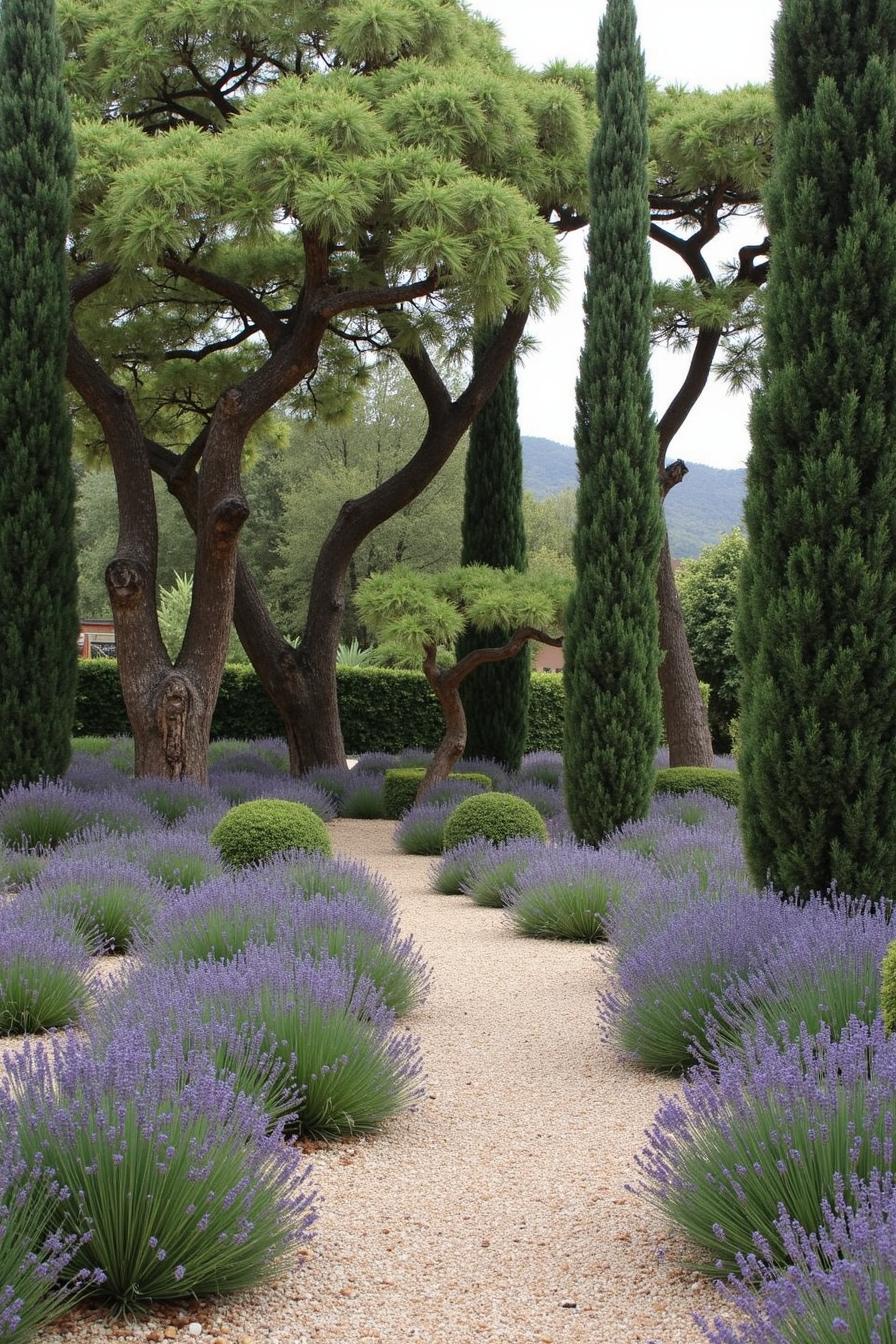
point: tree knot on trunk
(125, 580)
(175, 703)
(672, 474)
(228, 517)
(231, 402)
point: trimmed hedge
(723, 784)
(496, 817)
(382, 709)
(401, 785)
(256, 831)
(888, 989)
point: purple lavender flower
(18, 867)
(246, 786)
(110, 901)
(259, 756)
(456, 867)
(483, 765)
(172, 856)
(225, 916)
(773, 1130)
(497, 867)
(175, 1172)
(669, 980)
(547, 800)
(364, 796)
(827, 971)
(34, 1254)
(842, 1277)
(421, 829)
(307, 875)
(46, 970)
(43, 815)
(543, 767)
(174, 800)
(351, 1068)
(566, 891)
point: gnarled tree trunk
(684, 713)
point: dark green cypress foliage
(38, 571)
(496, 698)
(612, 643)
(817, 624)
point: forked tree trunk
(446, 684)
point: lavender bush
(176, 858)
(174, 800)
(482, 765)
(175, 1174)
(547, 800)
(542, 767)
(248, 787)
(352, 1070)
(18, 867)
(422, 828)
(108, 900)
(307, 875)
(564, 892)
(841, 1283)
(45, 971)
(34, 1256)
(772, 1131)
(41, 816)
(261, 756)
(364, 799)
(456, 867)
(375, 762)
(825, 973)
(670, 978)
(498, 867)
(225, 916)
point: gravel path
(498, 1210)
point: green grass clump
(255, 831)
(495, 817)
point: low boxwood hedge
(382, 709)
(401, 785)
(704, 779)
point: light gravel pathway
(502, 1198)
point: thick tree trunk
(684, 713)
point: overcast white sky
(710, 43)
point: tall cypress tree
(817, 624)
(612, 646)
(496, 696)
(38, 571)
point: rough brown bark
(301, 682)
(684, 713)
(446, 684)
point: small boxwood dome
(258, 830)
(495, 817)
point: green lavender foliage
(817, 621)
(612, 644)
(496, 696)
(38, 571)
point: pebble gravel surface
(497, 1212)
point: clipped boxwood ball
(495, 817)
(258, 830)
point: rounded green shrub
(255, 831)
(401, 785)
(724, 784)
(495, 817)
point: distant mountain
(708, 503)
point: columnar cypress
(612, 647)
(817, 624)
(38, 571)
(495, 697)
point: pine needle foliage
(817, 623)
(496, 696)
(38, 572)
(612, 646)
